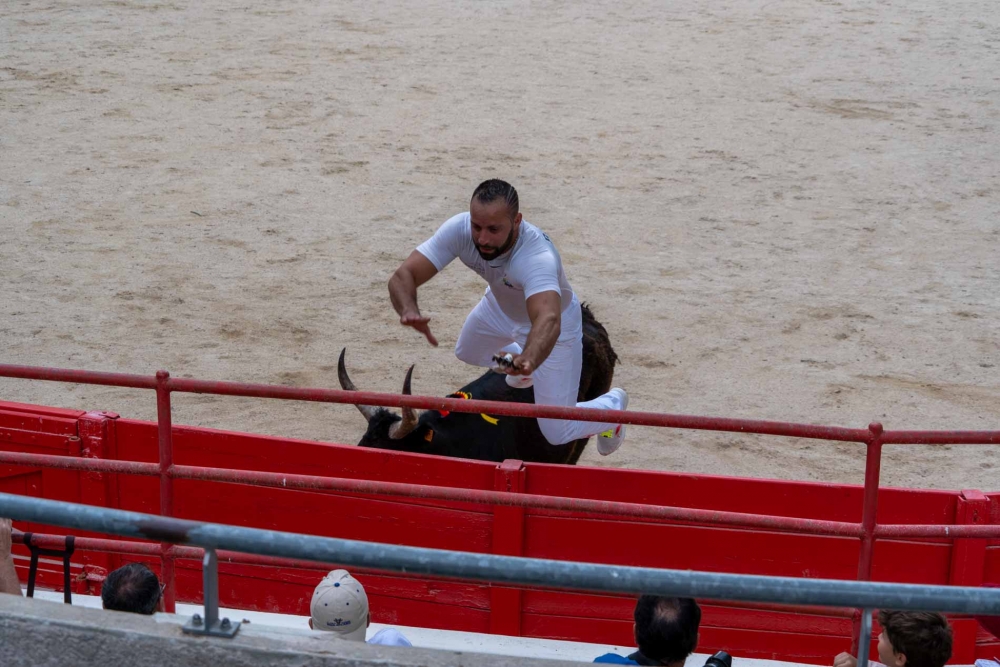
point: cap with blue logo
(339, 604)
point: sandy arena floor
(781, 209)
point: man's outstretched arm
(546, 324)
(403, 284)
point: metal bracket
(210, 625)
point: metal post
(166, 460)
(873, 468)
(211, 625)
(866, 635)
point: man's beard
(493, 254)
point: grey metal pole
(506, 569)
(210, 577)
(864, 637)
(210, 624)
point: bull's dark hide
(485, 437)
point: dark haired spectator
(665, 630)
(8, 575)
(133, 588)
(909, 639)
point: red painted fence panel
(745, 630)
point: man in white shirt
(529, 309)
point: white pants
(487, 330)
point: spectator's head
(339, 604)
(913, 639)
(133, 588)
(666, 629)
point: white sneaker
(520, 381)
(609, 441)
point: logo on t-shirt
(507, 283)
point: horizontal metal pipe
(79, 377)
(279, 480)
(195, 553)
(520, 409)
(535, 501)
(941, 438)
(506, 569)
(527, 500)
(153, 550)
(46, 541)
(435, 403)
(788, 429)
(891, 530)
(74, 463)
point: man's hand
(403, 284)
(418, 322)
(511, 365)
(521, 365)
(845, 660)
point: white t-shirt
(533, 265)
(390, 637)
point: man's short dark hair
(494, 189)
(133, 588)
(924, 637)
(666, 629)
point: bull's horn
(401, 429)
(346, 384)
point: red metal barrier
(313, 482)
(868, 531)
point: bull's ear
(346, 384)
(403, 428)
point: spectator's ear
(635, 635)
(900, 659)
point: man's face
(493, 231)
(887, 655)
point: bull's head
(387, 430)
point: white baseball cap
(339, 604)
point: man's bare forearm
(403, 292)
(542, 338)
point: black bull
(484, 437)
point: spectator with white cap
(340, 605)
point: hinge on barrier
(211, 625)
(65, 554)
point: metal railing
(499, 569)
(868, 530)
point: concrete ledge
(36, 633)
